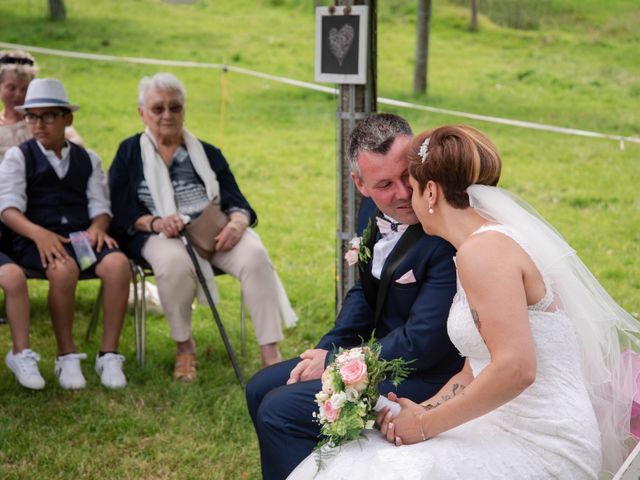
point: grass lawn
(580, 69)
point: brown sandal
(185, 369)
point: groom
(405, 293)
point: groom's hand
(311, 366)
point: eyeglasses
(174, 108)
(47, 117)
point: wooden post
(355, 102)
(475, 4)
(57, 10)
(421, 73)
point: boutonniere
(359, 252)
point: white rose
(356, 354)
(321, 413)
(321, 397)
(342, 358)
(351, 394)
(355, 243)
(338, 399)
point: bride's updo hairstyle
(455, 157)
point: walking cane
(214, 310)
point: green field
(579, 68)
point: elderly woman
(164, 174)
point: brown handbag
(202, 231)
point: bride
(544, 392)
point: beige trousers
(177, 283)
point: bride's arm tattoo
(456, 389)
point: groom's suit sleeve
(353, 324)
(423, 336)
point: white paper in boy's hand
(394, 407)
(82, 249)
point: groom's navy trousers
(409, 320)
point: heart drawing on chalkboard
(340, 41)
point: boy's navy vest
(51, 199)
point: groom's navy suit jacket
(409, 318)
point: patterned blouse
(190, 193)
(12, 135)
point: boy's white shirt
(13, 187)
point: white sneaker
(24, 365)
(68, 371)
(109, 369)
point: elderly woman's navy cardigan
(125, 176)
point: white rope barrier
(320, 88)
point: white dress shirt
(13, 180)
(382, 249)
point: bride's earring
(430, 202)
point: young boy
(49, 188)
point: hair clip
(19, 61)
(424, 149)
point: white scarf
(157, 177)
(156, 172)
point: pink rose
(354, 374)
(331, 414)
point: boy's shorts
(4, 259)
(29, 257)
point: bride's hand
(404, 429)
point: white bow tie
(387, 226)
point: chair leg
(136, 311)
(140, 310)
(243, 326)
(143, 316)
(3, 312)
(93, 321)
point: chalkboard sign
(341, 45)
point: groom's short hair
(376, 133)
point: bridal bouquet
(349, 395)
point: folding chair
(140, 274)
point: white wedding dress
(548, 431)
